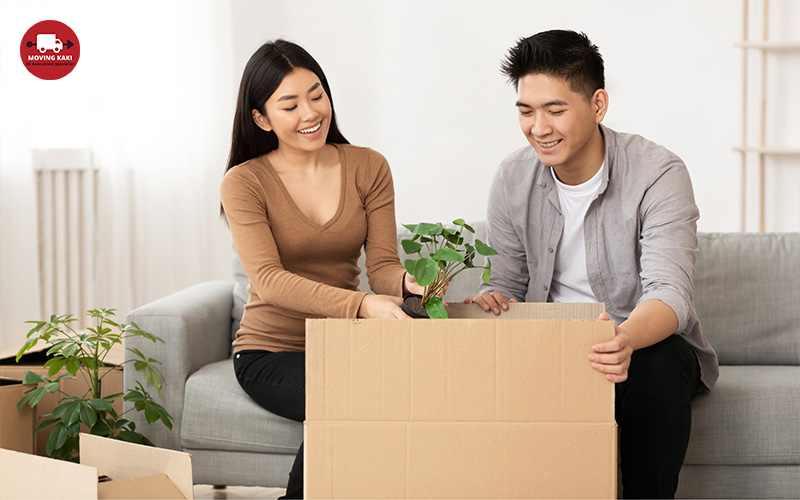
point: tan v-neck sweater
(299, 269)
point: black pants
(654, 413)
(277, 382)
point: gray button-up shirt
(640, 233)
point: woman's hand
(381, 306)
(410, 285)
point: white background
(154, 92)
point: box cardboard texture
(475, 406)
(16, 425)
(111, 384)
(135, 471)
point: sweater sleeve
(245, 207)
(384, 270)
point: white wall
(417, 80)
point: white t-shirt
(570, 279)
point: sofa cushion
(751, 417)
(219, 415)
(240, 293)
(747, 296)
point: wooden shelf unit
(764, 45)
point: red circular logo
(50, 50)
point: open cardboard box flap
(135, 471)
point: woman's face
(299, 112)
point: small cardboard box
(475, 406)
(111, 384)
(133, 470)
(16, 425)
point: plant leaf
(410, 247)
(55, 365)
(435, 308)
(166, 418)
(74, 429)
(100, 404)
(88, 414)
(62, 409)
(487, 272)
(425, 271)
(150, 414)
(484, 249)
(30, 378)
(58, 436)
(447, 254)
(73, 414)
(36, 396)
(130, 437)
(73, 366)
(426, 228)
(52, 387)
(70, 350)
(44, 425)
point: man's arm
(669, 245)
(510, 277)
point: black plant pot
(412, 305)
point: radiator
(66, 192)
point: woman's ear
(261, 121)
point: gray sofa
(745, 439)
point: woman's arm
(384, 270)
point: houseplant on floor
(82, 353)
(446, 255)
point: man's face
(562, 125)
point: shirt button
(545, 288)
(550, 250)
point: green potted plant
(82, 353)
(447, 254)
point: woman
(301, 202)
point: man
(589, 214)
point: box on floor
(16, 425)
(133, 471)
(475, 406)
(111, 384)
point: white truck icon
(45, 42)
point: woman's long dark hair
(262, 76)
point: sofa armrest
(195, 324)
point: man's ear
(261, 121)
(599, 103)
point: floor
(208, 491)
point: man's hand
(614, 357)
(495, 301)
(381, 306)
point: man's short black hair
(564, 54)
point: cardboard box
(16, 425)
(474, 406)
(134, 471)
(111, 384)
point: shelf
(769, 151)
(768, 45)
